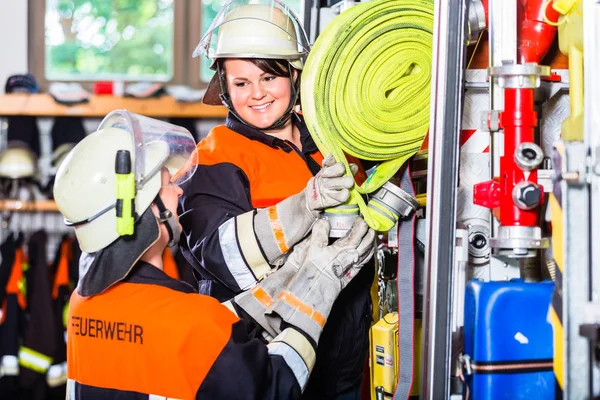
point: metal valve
(528, 156)
(527, 195)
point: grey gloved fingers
(365, 250)
(342, 182)
(320, 234)
(366, 246)
(353, 168)
(333, 171)
(354, 236)
(328, 161)
(354, 269)
(335, 198)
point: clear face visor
(179, 153)
(255, 29)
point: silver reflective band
(292, 359)
(57, 374)
(70, 389)
(249, 246)
(9, 366)
(233, 258)
(34, 360)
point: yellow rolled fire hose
(366, 89)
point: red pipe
(486, 10)
(519, 120)
(535, 36)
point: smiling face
(260, 98)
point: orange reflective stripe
(277, 229)
(62, 271)
(262, 296)
(16, 276)
(305, 309)
(146, 338)
(169, 264)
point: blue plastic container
(509, 340)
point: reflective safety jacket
(241, 169)
(151, 337)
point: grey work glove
(278, 228)
(259, 298)
(329, 188)
(326, 270)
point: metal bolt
(526, 195)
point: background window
(112, 40)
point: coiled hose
(366, 89)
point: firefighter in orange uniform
(134, 332)
(262, 183)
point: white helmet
(17, 162)
(263, 29)
(85, 185)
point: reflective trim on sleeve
(233, 258)
(261, 296)
(292, 359)
(9, 366)
(229, 305)
(70, 389)
(290, 299)
(300, 343)
(57, 375)
(278, 229)
(155, 397)
(249, 245)
(33, 360)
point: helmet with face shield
(254, 29)
(114, 174)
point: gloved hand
(278, 228)
(329, 188)
(326, 270)
(259, 298)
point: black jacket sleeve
(245, 370)
(214, 195)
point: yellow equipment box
(384, 356)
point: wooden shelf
(28, 206)
(43, 104)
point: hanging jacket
(241, 169)
(35, 353)
(56, 375)
(13, 304)
(152, 335)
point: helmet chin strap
(166, 217)
(294, 93)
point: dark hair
(270, 66)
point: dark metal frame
(449, 60)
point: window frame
(37, 44)
(186, 36)
(194, 36)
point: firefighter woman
(134, 332)
(262, 183)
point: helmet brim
(212, 96)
